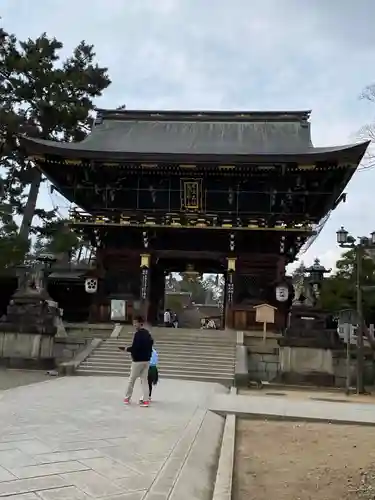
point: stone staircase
(188, 354)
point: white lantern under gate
(282, 293)
(91, 285)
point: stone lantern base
(307, 348)
(28, 330)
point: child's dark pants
(152, 378)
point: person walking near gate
(141, 351)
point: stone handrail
(241, 374)
(69, 367)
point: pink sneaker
(126, 401)
(144, 403)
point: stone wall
(339, 367)
(26, 350)
(306, 365)
(35, 351)
(263, 363)
(65, 349)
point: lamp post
(345, 240)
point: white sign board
(118, 310)
(345, 328)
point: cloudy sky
(242, 54)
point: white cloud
(258, 54)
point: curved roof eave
(78, 150)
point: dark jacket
(141, 348)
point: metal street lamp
(342, 236)
(345, 240)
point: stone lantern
(316, 275)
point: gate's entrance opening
(190, 291)
(195, 300)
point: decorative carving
(31, 281)
(230, 196)
(145, 239)
(282, 244)
(91, 285)
(303, 294)
(232, 242)
(225, 221)
(282, 293)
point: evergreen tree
(202, 289)
(339, 290)
(215, 285)
(195, 287)
(43, 97)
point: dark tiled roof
(130, 133)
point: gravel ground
(304, 461)
(16, 378)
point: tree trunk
(32, 198)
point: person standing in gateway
(141, 351)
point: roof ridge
(204, 115)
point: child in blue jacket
(153, 373)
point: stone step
(162, 369)
(200, 376)
(172, 353)
(179, 343)
(157, 330)
(163, 366)
(188, 338)
(189, 357)
(177, 347)
(175, 341)
(163, 357)
(182, 350)
(168, 359)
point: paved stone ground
(293, 409)
(72, 438)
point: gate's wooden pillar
(156, 294)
